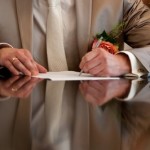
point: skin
(17, 86)
(24, 62)
(99, 62)
(100, 92)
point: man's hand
(99, 62)
(17, 86)
(20, 60)
(100, 92)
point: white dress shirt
(40, 12)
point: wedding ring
(14, 89)
(14, 58)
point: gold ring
(14, 89)
(14, 58)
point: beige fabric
(53, 109)
(15, 124)
(55, 46)
(93, 16)
(22, 126)
(40, 12)
(137, 19)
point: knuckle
(86, 59)
(30, 66)
(25, 60)
(25, 50)
(16, 62)
(18, 53)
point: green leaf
(106, 37)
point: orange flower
(107, 46)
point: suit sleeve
(137, 30)
(137, 24)
(3, 45)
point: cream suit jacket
(93, 16)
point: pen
(97, 45)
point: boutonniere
(109, 41)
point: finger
(99, 69)
(92, 55)
(94, 96)
(8, 83)
(20, 66)
(96, 84)
(21, 82)
(95, 62)
(28, 54)
(103, 72)
(28, 92)
(33, 82)
(89, 56)
(36, 70)
(96, 71)
(11, 67)
(88, 92)
(23, 92)
(28, 63)
(41, 68)
(99, 85)
(83, 87)
(27, 88)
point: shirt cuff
(134, 89)
(136, 67)
(3, 45)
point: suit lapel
(84, 13)
(25, 19)
(21, 134)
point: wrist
(3, 46)
(125, 66)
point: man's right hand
(102, 91)
(20, 61)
